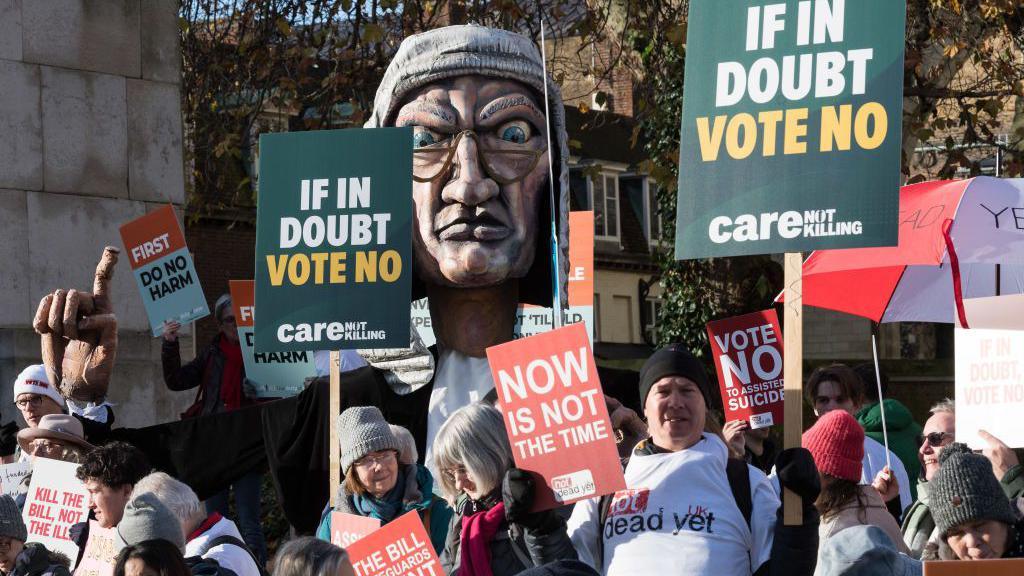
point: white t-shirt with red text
(678, 516)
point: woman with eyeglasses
(939, 432)
(492, 532)
(376, 484)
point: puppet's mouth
(481, 227)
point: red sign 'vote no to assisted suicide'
(748, 358)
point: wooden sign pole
(335, 409)
(793, 375)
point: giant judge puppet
(474, 97)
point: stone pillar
(90, 137)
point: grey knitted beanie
(11, 524)
(362, 430)
(146, 518)
(965, 490)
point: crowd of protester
(711, 492)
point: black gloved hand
(8, 438)
(77, 533)
(517, 493)
(796, 470)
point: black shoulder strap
(229, 539)
(739, 483)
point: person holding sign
(687, 508)
(376, 484)
(939, 431)
(18, 558)
(493, 530)
(975, 519)
(837, 387)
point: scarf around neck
(478, 530)
(231, 376)
(384, 509)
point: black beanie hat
(673, 360)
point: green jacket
(919, 527)
(903, 434)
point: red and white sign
(152, 236)
(748, 358)
(555, 414)
(989, 388)
(101, 551)
(401, 548)
(56, 501)
(346, 529)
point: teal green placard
(743, 192)
(275, 374)
(170, 290)
(306, 299)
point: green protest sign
(333, 248)
(791, 131)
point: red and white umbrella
(957, 239)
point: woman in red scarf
(492, 533)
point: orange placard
(1003, 567)
(554, 410)
(347, 529)
(401, 548)
(153, 236)
(243, 300)
(581, 258)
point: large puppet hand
(79, 335)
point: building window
(579, 189)
(652, 307)
(653, 218)
(606, 206)
(597, 317)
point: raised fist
(79, 335)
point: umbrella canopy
(953, 235)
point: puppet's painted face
(480, 167)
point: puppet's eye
(424, 137)
(517, 132)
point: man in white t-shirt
(837, 387)
(679, 513)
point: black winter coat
(512, 550)
(36, 560)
